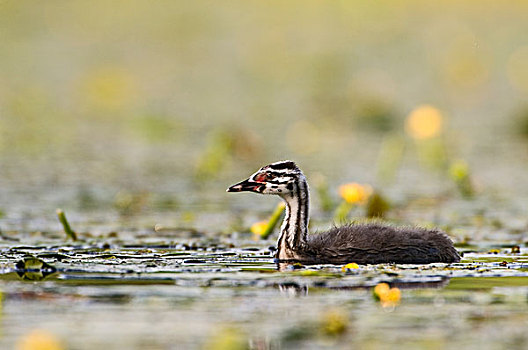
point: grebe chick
(370, 243)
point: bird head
(278, 178)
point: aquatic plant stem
(342, 211)
(66, 225)
(274, 219)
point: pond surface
(221, 293)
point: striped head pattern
(278, 178)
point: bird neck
(294, 229)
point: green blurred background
(136, 107)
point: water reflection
(293, 289)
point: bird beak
(247, 186)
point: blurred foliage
(226, 338)
(222, 146)
(86, 198)
(321, 187)
(377, 206)
(376, 116)
(215, 156)
(297, 333)
(521, 122)
(334, 322)
(342, 211)
(156, 128)
(433, 154)
(188, 217)
(31, 121)
(164, 202)
(390, 157)
(352, 194)
(109, 88)
(263, 229)
(130, 202)
(425, 125)
(460, 174)
(517, 69)
(181, 91)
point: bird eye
(262, 177)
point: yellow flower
(39, 339)
(424, 122)
(258, 228)
(381, 289)
(263, 229)
(355, 193)
(386, 295)
(392, 297)
(350, 266)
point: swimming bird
(362, 243)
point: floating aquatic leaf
(310, 273)
(34, 269)
(486, 283)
